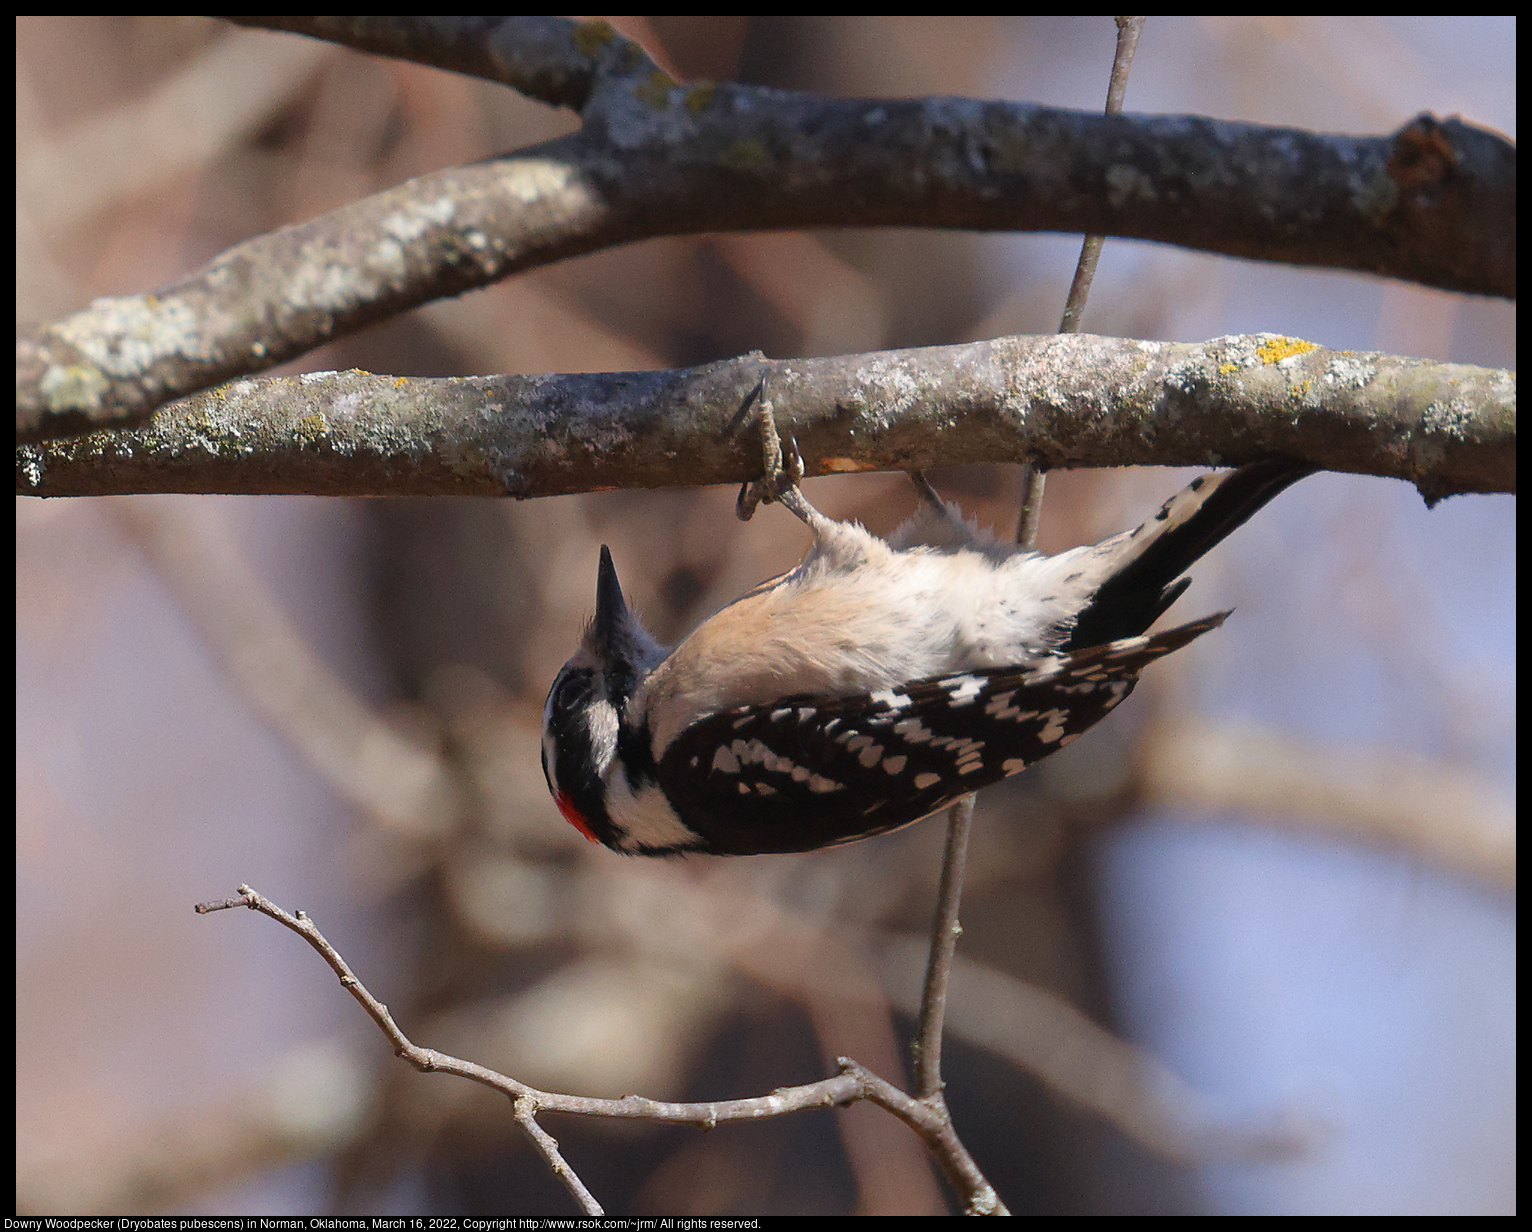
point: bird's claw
(780, 475)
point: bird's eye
(572, 688)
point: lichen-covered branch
(1434, 203)
(1060, 401)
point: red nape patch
(573, 816)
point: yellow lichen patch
(699, 95)
(1279, 348)
(655, 89)
(591, 36)
(311, 427)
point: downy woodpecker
(874, 684)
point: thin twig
(932, 1121)
(1030, 515)
(947, 929)
(928, 1118)
(1033, 479)
(944, 934)
(526, 1117)
(1128, 30)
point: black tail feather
(1150, 580)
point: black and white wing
(807, 772)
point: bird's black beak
(612, 620)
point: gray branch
(1057, 401)
(929, 1118)
(1435, 203)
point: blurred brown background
(218, 690)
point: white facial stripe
(601, 723)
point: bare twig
(1029, 517)
(929, 1119)
(1033, 478)
(944, 934)
(171, 1159)
(946, 929)
(1128, 31)
(526, 1117)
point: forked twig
(929, 1119)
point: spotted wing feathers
(808, 772)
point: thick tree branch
(1435, 203)
(1061, 401)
